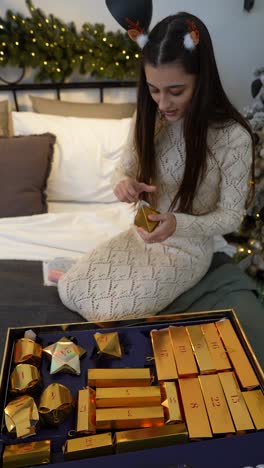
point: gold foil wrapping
(141, 218)
(108, 344)
(237, 355)
(170, 402)
(133, 377)
(183, 353)
(89, 446)
(128, 418)
(200, 349)
(21, 416)
(86, 411)
(25, 378)
(194, 408)
(163, 354)
(56, 404)
(255, 403)
(29, 454)
(215, 346)
(65, 356)
(218, 411)
(150, 437)
(118, 397)
(236, 402)
(27, 351)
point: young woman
(190, 155)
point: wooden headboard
(58, 87)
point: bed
(64, 208)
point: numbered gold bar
(117, 397)
(200, 349)
(237, 355)
(183, 353)
(27, 454)
(194, 408)
(129, 418)
(236, 402)
(215, 346)
(163, 354)
(86, 411)
(150, 437)
(89, 446)
(170, 402)
(134, 377)
(215, 402)
(255, 403)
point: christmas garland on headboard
(57, 49)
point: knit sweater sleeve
(233, 154)
(128, 163)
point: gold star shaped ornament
(108, 343)
(65, 356)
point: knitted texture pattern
(124, 277)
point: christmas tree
(250, 237)
(57, 49)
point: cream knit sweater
(125, 277)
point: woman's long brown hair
(209, 104)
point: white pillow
(85, 153)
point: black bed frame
(101, 85)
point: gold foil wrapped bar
(194, 408)
(119, 377)
(183, 353)
(141, 218)
(170, 403)
(118, 397)
(27, 351)
(56, 404)
(25, 378)
(30, 454)
(201, 351)
(237, 355)
(89, 446)
(128, 418)
(236, 402)
(86, 411)
(255, 403)
(218, 411)
(108, 344)
(21, 416)
(215, 346)
(150, 437)
(163, 354)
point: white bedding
(68, 230)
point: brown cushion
(5, 119)
(79, 109)
(25, 163)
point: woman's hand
(164, 230)
(128, 190)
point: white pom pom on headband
(190, 41)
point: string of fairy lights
(57, 49)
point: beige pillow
(6, 128)
(76, 109)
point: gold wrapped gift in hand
(141, 218)
(21, 416)
(56, 404)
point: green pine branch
(56, 49)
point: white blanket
(68, 230)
